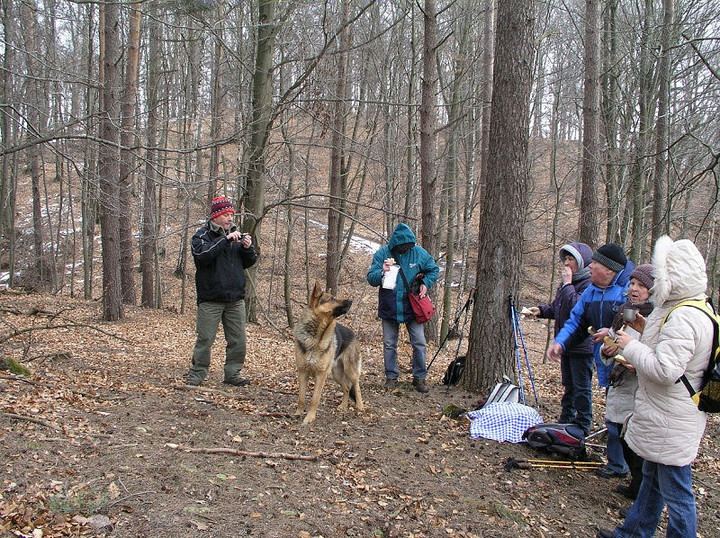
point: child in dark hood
(576, 363)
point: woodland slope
(104, 426)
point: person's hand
(246, 240)
(638, 324)
(534, 311)
(423, 290)
(600, 335)
(623, 339)
(386, 265)
(554, 352)
(567, 274)
(609, 351)
(234, 237)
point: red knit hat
(221, 205)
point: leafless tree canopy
(121, 120)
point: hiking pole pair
(454, 328)
(512, 463)
(520, 340)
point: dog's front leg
(320, 379)
(358, 397)
(345, 403)
(302, 381)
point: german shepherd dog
(322, 345)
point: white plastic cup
(390, 277)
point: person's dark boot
(420, 385)
(236, 381)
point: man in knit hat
(221, 254)
(609, 276)
(620, 399)
(576, 364)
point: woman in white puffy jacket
(666, 426)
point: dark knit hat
(644, 274)
(611, 256)
(220, 205)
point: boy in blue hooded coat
(610, 277)
(394, 306)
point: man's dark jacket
(220, 265)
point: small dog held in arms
(323, 345)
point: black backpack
(454, 371)
(564, 439)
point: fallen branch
(18, 332)
(46, 385)
(235, 452)
(126, 497)
(30, 419)
(195, 388)
(19, 378)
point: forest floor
(103, 437)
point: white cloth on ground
(503, 421)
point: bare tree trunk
(410, 208)
(428, 143)
(108, 164)
(637, 196)
(33, 99)
(609, 110)
(490, 352)
(450, 181)
(215, 119)
(148, 239)
(486, 96)
(428, 138)
(337, 145)
(589, 211)
(7, 181)
(259, 133)
(89, 188)
(127, 160)
(660, 222)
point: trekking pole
(518, 362)
(466, 308)
(522, 340)
(512, 463)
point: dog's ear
(316, 294)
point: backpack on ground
(707, 397)
(454, 371)
(564, 439)
(504, 392)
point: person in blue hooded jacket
(576, 364)
(610, 277)
(394, 306)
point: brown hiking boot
(420, 385)
(391, 384)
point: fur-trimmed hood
(679, 271)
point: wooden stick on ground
(235, 452)
(30, 419)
